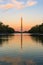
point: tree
(36, 29)
(6, 29)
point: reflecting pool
(21, 49)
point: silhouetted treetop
(36, 29)
(6, 29)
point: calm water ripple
(21, 49)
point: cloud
(17, 4)
(31, 3)
(7, 6)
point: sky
(31, 11)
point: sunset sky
(31, 11)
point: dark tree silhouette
(36, 29)
(6, 29)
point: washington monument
(21, 25)
(21, 31)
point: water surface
(21, 49)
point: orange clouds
(18, 4)
(7, 6)
(31, 3)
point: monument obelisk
(21, 24)
(21, 32)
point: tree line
(6, 29)
(36, 29)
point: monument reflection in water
(21, 49)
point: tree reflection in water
(5, 38)
(37, 38)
